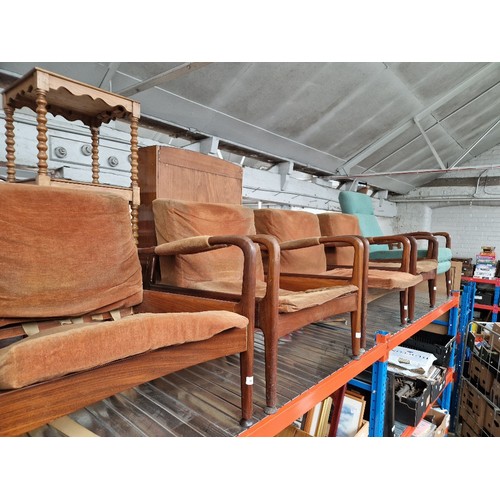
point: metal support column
(378, 394)
(466, 315)
(452, 332)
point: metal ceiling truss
(345, 169)
(162, 78)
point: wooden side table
(45, 92)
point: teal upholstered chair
(360, 204)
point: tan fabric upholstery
(72, 348)
(287, 225)
(76, 249)
(69, 262)
(382, 278)
(288, 301)
(295, 301)
(337, 224)
(423, 266)
(176, 220)
(220, 270)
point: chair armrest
(200, 244)
(301, 243)
(360, 261)
(400, 241)
(270, 245)
(432, 242)
(446, 237)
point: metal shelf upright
(458, 319)
(272, 425)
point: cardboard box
(475, 369)
(363, 430)
(495, 337)
(466, 406)
(472, 404)
(292, 431)
(469, 431)
(489, 358)
(495, 392)
(441, 418)
(440, 421)
(480, 374)
(492, 421)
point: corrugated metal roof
(342, 119)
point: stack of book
(486, 263)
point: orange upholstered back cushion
(65, 252)
(337, 224)
(175, 220)
(287, 225)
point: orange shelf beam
(272, 424)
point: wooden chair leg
(403, 306)
(271, 372)
(432, 291)
(411, 303)
(357, 336)
(246, 374)
(448, 282)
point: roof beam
(164, 77)
(389, 136)
(110, 72)
(457, 161)
(429, 143)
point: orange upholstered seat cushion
(385, 279)
(176, 220)
(76, 347)
(337, 224)
(65, 253)
(288, 300)
(288, 225)
(220, 270)
(423, 266)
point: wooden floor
(204, 400)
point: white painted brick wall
(470, 228)
(413, 217)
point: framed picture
(351, 414)
(316, 419)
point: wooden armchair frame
(27, 408)
(274, 324)
(23, 409)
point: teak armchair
(76, 325)
(288, 226)
(283, 304)
(360, 205)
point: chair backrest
(65, 252)
(287, 225)
(176, 220)
(360, 205)
(337, 224)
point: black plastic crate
(434, 343)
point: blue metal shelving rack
(459, 318)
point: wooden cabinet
(167, 172)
